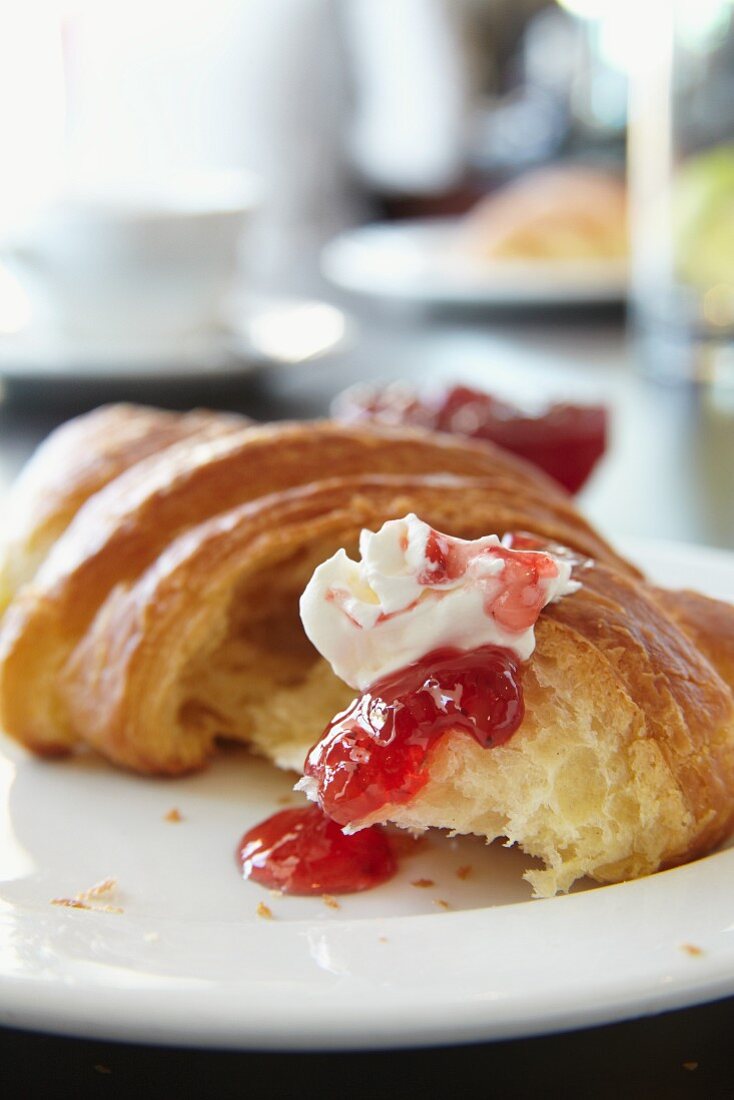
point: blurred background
(508, 218)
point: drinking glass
(681, 161)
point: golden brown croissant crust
(166, 617)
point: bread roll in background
(165, 618)
(566, 212)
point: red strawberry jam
(301, 851)
(564, 440)
(521, 598)
(376, 752)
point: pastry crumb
(99, 890)
(174, 814)
(70, 903)
(82, 900)
(275, 893)
(75, 903)
(330, 901)
(464, 871)
(423, 883)
(264, 911)
(691, 949)
(690, 1066)
(441, 903)
(382, 939)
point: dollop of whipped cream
(416, 590)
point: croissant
(165, 618)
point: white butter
(375, 616)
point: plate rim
(228, 350)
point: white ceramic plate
(189, 961)
(256, 331)
(420, 261)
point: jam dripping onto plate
(376, 751)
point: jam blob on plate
(300, 851)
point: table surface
(666, 475)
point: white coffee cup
(136, 261)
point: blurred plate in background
(255, 332)
(421, 262)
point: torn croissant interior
(153, 610)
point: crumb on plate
(70, 903)
(90, 898)
(100, 889)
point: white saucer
(420, 262)
(255, 332)
(434, 956)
